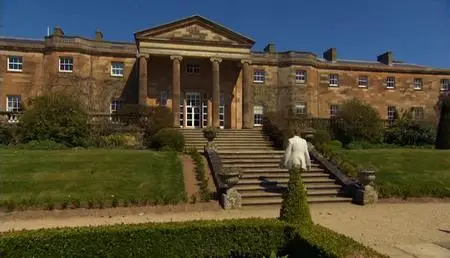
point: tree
(57, 117)
(357, 121)
(443, 132)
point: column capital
(179, 58)
(139, 55)
(215, 59)
(246, 61)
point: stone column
(247, 98)
(176, 89)
(216, 91)
(143, 79)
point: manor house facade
(209, 75)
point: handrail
(215, 163)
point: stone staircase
(263, 181)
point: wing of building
(209, 75)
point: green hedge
(200, 174)
(232, 238)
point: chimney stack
(57, 31)
(330, 55)
(270, 48)
(98, 35)
(385, 58)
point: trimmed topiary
(443, 132)
(294, 208)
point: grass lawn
(407, 172)
(92, 178)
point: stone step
(242, 160)
(318, 186)
(221, 149)
(267, 156)
(264, 165)
(275, 176)
(272, 193)
(250, 153)
(284, 181)
(232, 143)
(275, 200)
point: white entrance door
(193, 109)
(222, 111)
(205, 113)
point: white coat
(297, 154)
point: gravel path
(385, 226)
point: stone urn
(210, 133)
(230, 176)
(366, 176)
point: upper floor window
(418, 84)
(334, 80)
(193, 68)
(13, 103)
(390, 82)
(334, 110)
(117, 69)
(300, 109)
(363, 81)
(392, 113)
(300, 76)
(66, 64)
(418, 113)
(164, 97)
(445, 85)
(258, 112)
(259, 76)
(15, 63)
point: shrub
(294, 208)
(200, 174)
(443, 132)
(57, 117)
(231, 238)
(321, 137)
(169, 139)
(113, 141)
(42, 145)
(407, 131)
(6, 134)
(357, 121)
(158, 118)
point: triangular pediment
(195, 29)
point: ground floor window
(300, 109)
(258, 112)
(334, 110)
(163, 98)
(13, 103)
(418, 113)
(391, 114)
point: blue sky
(417, 31)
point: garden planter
(230, 176)
(366, 176)
(210, 133)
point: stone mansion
(209, 75)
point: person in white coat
(297, 153)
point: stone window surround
(391, 113)
(363, 81)
(66, 62)
(116, 105)
(418, 113)
(192, 68)
(13, 103)
(258, 112)
(300, 76)
(259, 76)
(418, 84)
(390, 82)
(298, 107)
(445, 84)
(15, 61)
(334, 110)
(117, 69)
(333, 80)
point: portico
(199, 69)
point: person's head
(296, 131)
